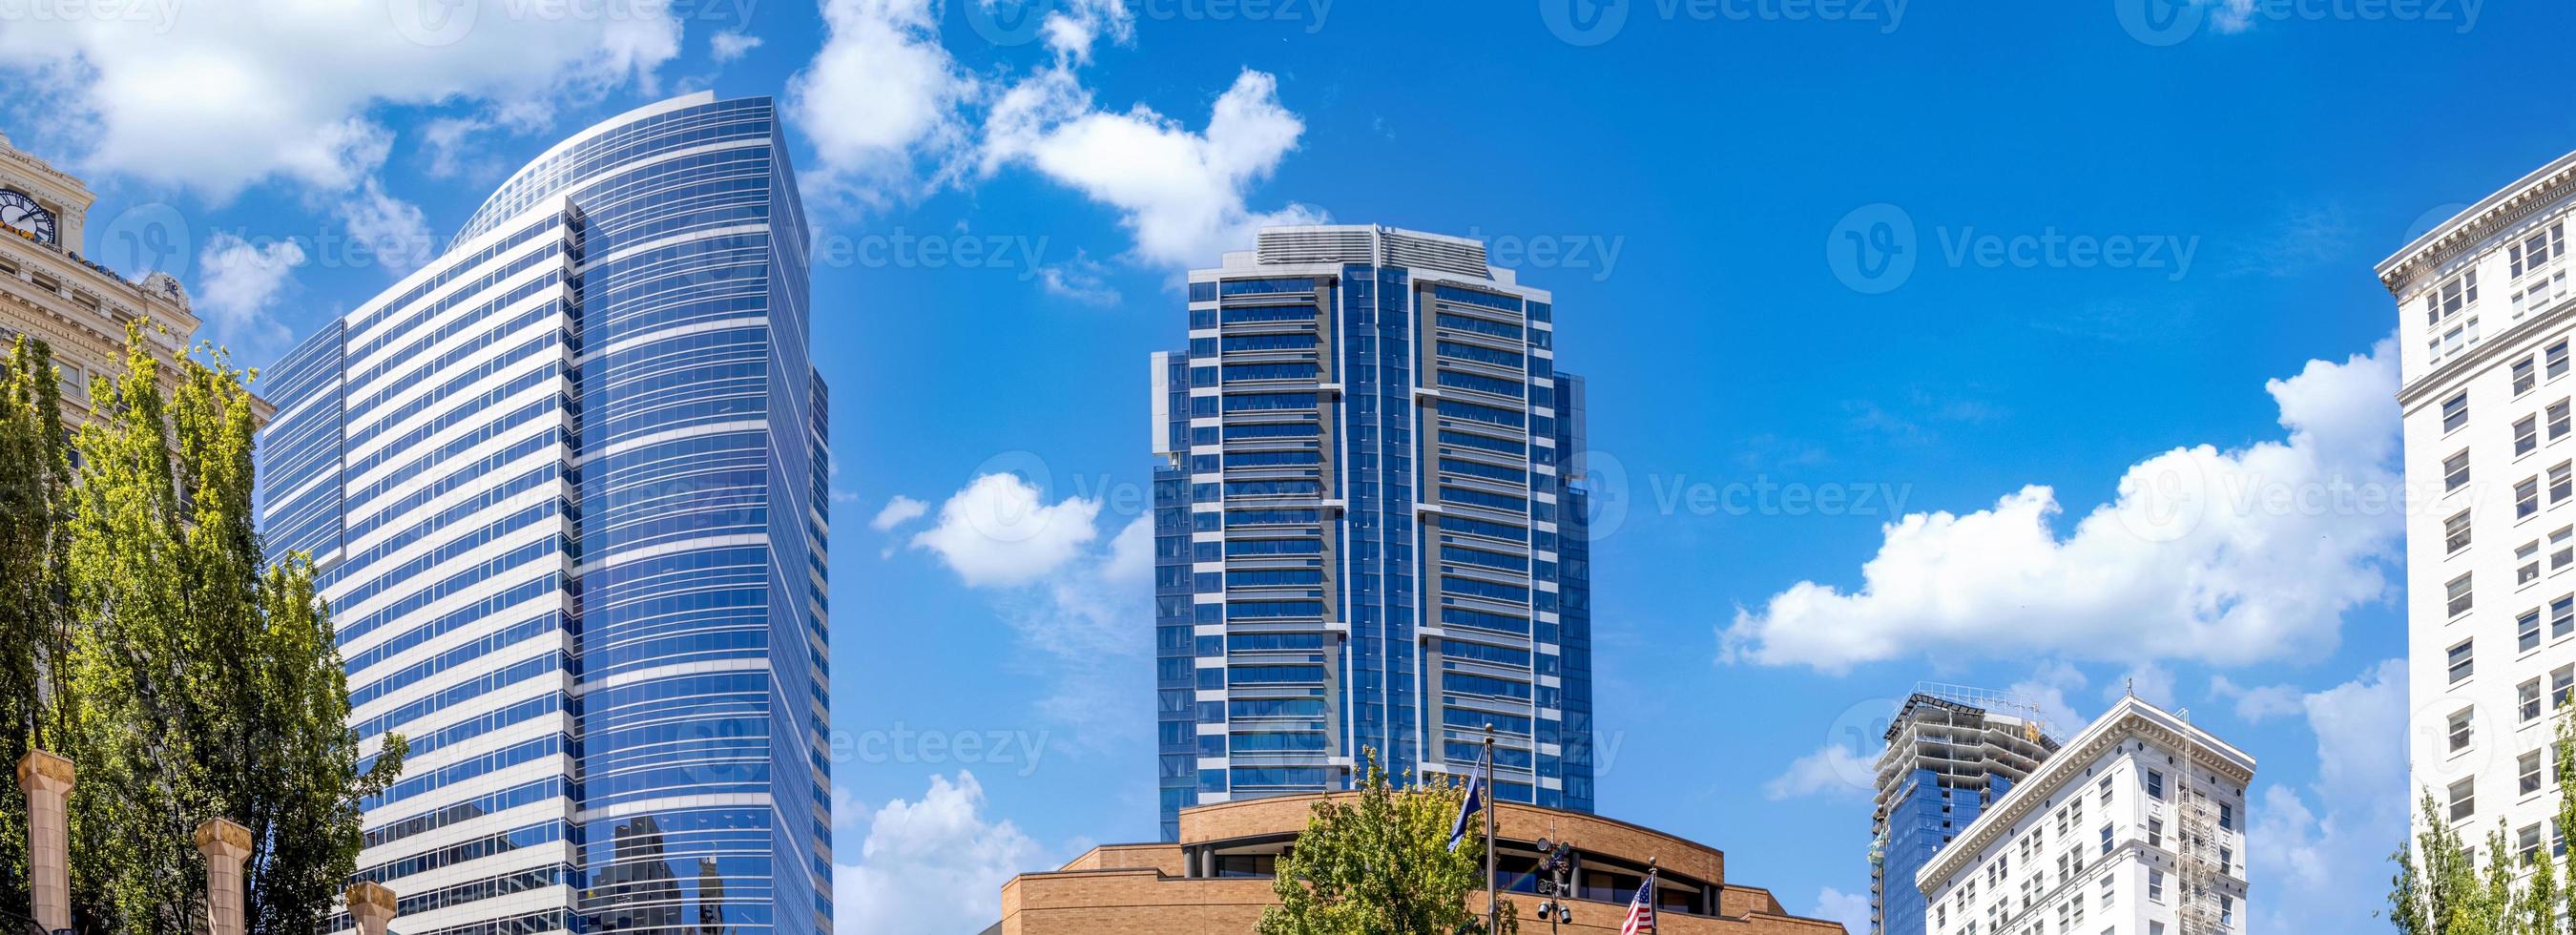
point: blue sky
(2123, 225)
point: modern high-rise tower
(1951, 752)
(1370, 532)
(2484, 321)
(565, 489)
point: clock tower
(41, 201)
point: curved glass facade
(566, 488)
(1369, 527)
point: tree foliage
(185, 674)
(2440, 888)
(1379, 863)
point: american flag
(1641, 910)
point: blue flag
(1475, 802)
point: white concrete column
(371, 906)
(47, 780)
(225, 845)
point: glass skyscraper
(566, 491)
(1369, 525)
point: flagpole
(1493, 900)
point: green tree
(197, 678)
(2439, 889)
(34, 626)
(1380, 864)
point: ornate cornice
(2541, 189)
(219, 836)
(2131, 720)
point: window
(2562, 616)
(2460, 598)
(2562, 548)
(2227, 912)
(2527, 770)
(2106, 839)
(2464, 799)
(2455, 531)
(2463, 662)
(2155, 832)
(2526, 844)
(2526, 435)
(2461, 292)
(2562, 687)
(2455, 412)
(2526, 630)
(2525, 376)
(2155, 886)
(2538, 248)
(2106, 792)
(2460, 728)
(2155, 785)
(2526, 497)
(2555, 356)
(2526, 701)
(2108, 889)
(2226, 816)
(2557, 415)
(2529, 555)
(2455, 471)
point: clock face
(19, 211)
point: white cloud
(238, 283)
(254, 90)
(932, 867)
(1180, 192)
(2328, 872)
(1850, 909)
(880, 96)
(727, 46)
(1080, 279)
(2046, 689)
(2222, 557)
(999, 531)
(2257, 704)
(387, 231)
(2152, 683)
(1072, 601)
(1833, 770)
(898, 511)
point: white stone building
(2134, 827)
(2483, 328)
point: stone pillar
(225, 845)
(47, 780)
(371, 906)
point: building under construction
(1951, 751)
